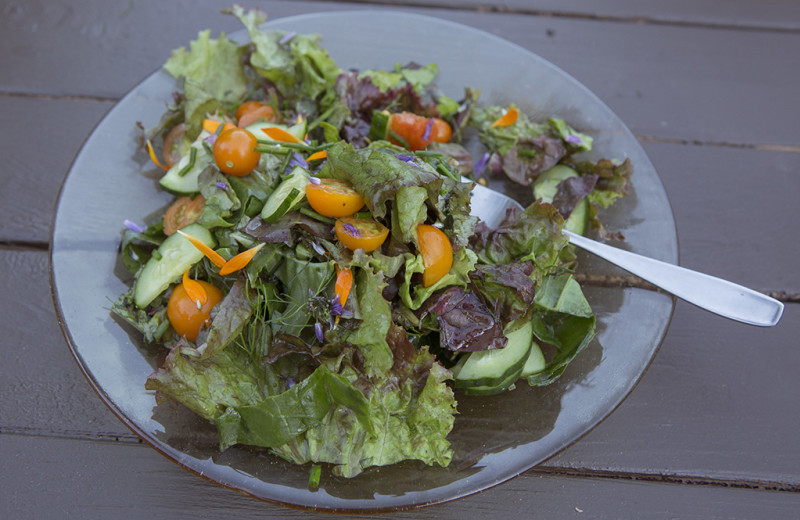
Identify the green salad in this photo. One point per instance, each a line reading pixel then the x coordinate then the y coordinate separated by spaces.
pixel 319 286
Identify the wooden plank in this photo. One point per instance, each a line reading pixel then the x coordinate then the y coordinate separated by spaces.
pixel 36 158
pixel 690 417
pixel 668 84
pixel 781 15
pixel 82 479
pixel 719 400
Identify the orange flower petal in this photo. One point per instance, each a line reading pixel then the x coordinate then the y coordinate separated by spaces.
pixel 281 135
pixel 212 255
pixel 318 155
pixel 153 156
pixel 240 261
pixel 194 290
pixel 344 284
pixel 211 126
pixel 509 118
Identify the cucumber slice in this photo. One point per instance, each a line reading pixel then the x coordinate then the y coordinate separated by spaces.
pixel 289 193
pixel 546 187
pixel 502 386
pixel 175 255
pixel 182 177
pixel 494 369
pixel 535 362
pixel 299 130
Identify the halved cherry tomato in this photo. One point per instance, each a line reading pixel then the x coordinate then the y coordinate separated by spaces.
pixel 174 144
pixel 234 152
pixel 247 106
pixel 183 212
pixel 360 233
pixel 436 251
pixel 256 113
pixel 184 316
pixel 412 129
pixel 333 198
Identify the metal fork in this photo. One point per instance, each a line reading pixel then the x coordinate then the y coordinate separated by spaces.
pixel 707 292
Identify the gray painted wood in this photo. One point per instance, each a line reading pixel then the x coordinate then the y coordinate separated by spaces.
pixel 709 87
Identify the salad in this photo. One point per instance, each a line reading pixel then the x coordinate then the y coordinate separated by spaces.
pixel 319 286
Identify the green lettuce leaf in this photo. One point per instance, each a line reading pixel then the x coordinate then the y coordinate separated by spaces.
pixel 564 319
pixel 414 294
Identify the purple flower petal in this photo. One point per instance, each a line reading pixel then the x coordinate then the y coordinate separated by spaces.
pixel 573 139
pixel 316 247
pixel 480 167
pixel 313 180
pixel 409 159
pixel 210 140
pixel 133 226
pixel 351 230
pixel 318 332
pixel 426 135
pixel 290 382
pixel 286 37
pixel 298 160
pixel 221 185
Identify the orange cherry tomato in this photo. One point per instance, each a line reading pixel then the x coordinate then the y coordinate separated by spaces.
pixel 412 127
pixel 333 198
pixel 360 233
pixel 234 152
pixel 256 113
pixel 436 251
pixel 247 106
pixel 184 316
pixel 174 144
pixel 183 212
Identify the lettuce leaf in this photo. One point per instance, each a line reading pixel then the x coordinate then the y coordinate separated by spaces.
pixel 564 319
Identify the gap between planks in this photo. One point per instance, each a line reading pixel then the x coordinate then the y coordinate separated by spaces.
pixel 551 13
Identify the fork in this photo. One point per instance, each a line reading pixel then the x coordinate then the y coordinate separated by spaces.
pixel 707 292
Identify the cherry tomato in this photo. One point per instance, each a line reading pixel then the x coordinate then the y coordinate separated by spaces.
pixel 184 316
pixel 183 212
pixel 411 128
pixel 174 144
pixel 234 152
pixel 360 233
pixel 247 106
pixel 436 251
pixel 333 198
pixel 256 113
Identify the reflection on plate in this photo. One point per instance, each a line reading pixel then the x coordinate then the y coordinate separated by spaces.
pixel 494 438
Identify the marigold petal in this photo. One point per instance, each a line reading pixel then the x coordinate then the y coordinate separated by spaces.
pixel 344 284
pixel 194 290
pixel 281 135
pixel 317 155
pixel 240 261
pixel 509 118
pixel 153 156
pixel 212 255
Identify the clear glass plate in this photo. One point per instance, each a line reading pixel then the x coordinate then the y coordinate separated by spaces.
pixel 494 438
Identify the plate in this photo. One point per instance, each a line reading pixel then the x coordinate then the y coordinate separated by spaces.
pixel 494 439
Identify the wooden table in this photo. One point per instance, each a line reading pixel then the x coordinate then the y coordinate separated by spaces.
pixel 709 87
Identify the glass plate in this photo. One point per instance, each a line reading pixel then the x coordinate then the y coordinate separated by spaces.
pixel 494 438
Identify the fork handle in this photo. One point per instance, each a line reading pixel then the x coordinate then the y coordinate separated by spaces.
pixel 707 292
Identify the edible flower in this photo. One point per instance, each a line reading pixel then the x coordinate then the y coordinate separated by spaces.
pixel 509 118
pixel 281 135
pixel 194 290
pixel 351 230
pixel 153 156
pixel 317 155
pixel 133 226
pixel 240 261
pixel 212 255
pixel 426 135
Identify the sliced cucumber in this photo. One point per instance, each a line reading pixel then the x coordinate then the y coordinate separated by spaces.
pixel 182 177
pixel 175 255
pixel 497 369
pixel 546 187
pixel 299 130
pixel 289 193
pixel 535 362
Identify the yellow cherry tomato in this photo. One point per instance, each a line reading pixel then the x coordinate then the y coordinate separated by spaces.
pixel 436 251
pixel 413 129
pixel 333 198
pixel 360 233
pixel 234 152
pixel 184 316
